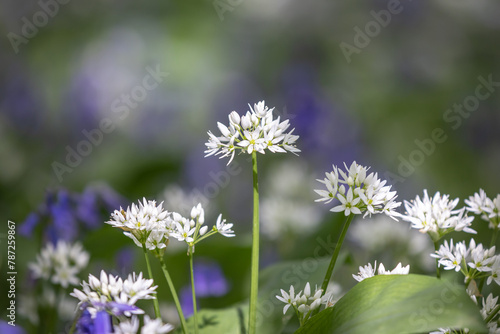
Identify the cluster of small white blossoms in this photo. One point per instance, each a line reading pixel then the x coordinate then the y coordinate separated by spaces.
pixel 364 193
pixel 257 130
pixel 145 223
pixel 369 271
pixel 489 305
pixel 474 261
pixel 114 294
pixel 152 226
pixel 488 208
pixel 303 302
pixel 436 216
pixel 193 230
pixel 60 264
pixel 151 326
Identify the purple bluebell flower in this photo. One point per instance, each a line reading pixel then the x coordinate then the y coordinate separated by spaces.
pixel 65 215
pixel 85 324
pixel 209 281
pixel 5 328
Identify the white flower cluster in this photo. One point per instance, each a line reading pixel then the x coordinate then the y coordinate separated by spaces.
pixel 151 326
pixel 112 293
pixel 60 263
pixel 193 230
pixel 474 261
pixel 436 216
pixel 369 271
pixel 257 130
pixel 489 209
pixel 303 302
pixel 364 193
pixel 145 223
pixel 151 225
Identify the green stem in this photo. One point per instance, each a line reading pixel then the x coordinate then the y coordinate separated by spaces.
pixel 254 285
pixel 174 294
pixel 195 310
pixel 150 273
pixel 436 248
pixel 336 252
pixel 492 314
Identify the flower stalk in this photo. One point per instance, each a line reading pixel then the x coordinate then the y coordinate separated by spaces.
pixel 336 252
pixel 174 295
pixel 254 285
pixel 195 309
pixel 150 273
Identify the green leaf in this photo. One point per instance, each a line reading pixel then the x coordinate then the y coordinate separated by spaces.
pixel 229 320
pixel 398 304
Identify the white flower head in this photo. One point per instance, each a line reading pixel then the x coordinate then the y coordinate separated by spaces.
pixel 100 292
pixel 487 208
pixel 256 131
pixel 437 216
pixel 139 221
pixel 365 193
pixel 191 231
pixel 61 263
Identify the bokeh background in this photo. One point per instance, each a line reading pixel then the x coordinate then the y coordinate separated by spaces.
pixel 353 87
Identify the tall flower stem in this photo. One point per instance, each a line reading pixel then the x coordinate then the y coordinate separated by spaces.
pixel 195 310
pixel 174 294
pixel 436 247
pixel 150 273
pixel 254 285
pixel 336 252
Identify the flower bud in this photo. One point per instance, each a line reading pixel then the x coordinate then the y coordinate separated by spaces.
pixel 234 118
pixel 245 122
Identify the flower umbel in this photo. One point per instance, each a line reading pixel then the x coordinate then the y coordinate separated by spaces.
pixel 145 223
pixel 364 193
pixel 257 131
pixel 437 216
pixel 303 302
pixel 60 263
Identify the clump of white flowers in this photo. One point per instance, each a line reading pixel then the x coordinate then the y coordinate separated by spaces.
pixel 437 216
pixel 474 262
pixel 487 208
pixel 304 302
pixel 192 230
pixel 369 271
pixel 358 192
pixel 257 131
pixel 146 224
pixel 113 294
pixel 152 226
pixel 60 264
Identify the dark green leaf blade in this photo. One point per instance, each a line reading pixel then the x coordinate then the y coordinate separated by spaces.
pixel 398 304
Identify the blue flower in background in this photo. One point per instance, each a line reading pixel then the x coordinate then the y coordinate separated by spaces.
pixel 209 281
pixel 64 214
pixel 5 328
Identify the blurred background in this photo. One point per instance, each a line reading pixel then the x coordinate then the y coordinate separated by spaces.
pixel 105 102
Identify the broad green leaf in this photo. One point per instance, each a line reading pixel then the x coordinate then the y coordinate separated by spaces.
pixel 398 304
pixel 228 320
